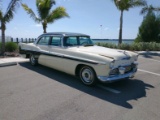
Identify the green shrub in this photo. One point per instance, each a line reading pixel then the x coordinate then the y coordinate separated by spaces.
pixel 124 47
pixel 141 46
pixel 109 45
pixel 11 47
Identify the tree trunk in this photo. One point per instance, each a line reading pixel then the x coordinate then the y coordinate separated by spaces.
pixel 120 28
pixel 3 38
pixel 44 27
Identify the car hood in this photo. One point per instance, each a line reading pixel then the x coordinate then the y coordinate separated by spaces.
pixel 106 52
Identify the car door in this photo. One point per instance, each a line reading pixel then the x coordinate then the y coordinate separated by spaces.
pixel 56 53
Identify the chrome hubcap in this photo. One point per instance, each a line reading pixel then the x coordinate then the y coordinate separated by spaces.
pixel 32 59
pixel 87 75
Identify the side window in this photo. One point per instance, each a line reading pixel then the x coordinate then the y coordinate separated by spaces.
pixel 56 41
pixel 70 41
pixel 44 40
pixel 83 40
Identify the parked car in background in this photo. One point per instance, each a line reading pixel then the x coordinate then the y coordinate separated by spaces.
pixel 75 54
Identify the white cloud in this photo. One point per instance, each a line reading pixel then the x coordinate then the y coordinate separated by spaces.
pixel 106 28
pixel 37 25
pixel 103 28
pixel 15 28
pixel 60 1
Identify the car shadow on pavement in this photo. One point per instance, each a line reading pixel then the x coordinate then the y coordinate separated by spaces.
pixel 133 89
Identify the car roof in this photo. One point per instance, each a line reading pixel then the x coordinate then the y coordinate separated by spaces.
pixel 65 34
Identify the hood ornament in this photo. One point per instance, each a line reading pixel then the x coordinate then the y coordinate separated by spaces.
pixel 127 57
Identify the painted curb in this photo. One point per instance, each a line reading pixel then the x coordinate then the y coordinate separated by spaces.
pixel 149 53
pixel 8 64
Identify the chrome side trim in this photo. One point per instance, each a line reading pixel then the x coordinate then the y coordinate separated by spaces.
pixel 53 54
pixel 107 56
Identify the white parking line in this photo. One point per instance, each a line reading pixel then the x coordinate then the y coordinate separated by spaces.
pixel 150 59
pixel 109 89
pixel 149 72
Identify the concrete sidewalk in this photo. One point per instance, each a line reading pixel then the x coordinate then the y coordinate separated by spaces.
pixel 12 61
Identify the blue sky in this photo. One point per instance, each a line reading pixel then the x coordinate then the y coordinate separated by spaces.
pixel 86 16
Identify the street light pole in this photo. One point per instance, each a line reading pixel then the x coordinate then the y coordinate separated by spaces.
pixel 101 31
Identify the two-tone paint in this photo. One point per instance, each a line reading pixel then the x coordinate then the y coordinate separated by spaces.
pixel 68 59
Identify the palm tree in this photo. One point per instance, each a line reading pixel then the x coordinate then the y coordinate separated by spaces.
pixel 147 8
pixel 125 5
pixel 45 15
pixel 6 18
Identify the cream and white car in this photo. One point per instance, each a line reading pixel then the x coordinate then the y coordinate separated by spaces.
pixel 75 54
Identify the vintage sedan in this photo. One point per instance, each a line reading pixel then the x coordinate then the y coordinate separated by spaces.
pixel 75 54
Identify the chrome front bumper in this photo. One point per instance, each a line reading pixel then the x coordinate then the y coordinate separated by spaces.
pixel 117 77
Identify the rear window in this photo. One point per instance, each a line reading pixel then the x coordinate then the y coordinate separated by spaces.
pixel 77 41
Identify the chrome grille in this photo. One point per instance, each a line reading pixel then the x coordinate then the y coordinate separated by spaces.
pixel 128 68
pixel 114 71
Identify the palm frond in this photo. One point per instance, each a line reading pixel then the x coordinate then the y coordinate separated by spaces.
pixel 11 9
pixel 59 12
pixel 126 4
pixel 44 7
pixel 136 3
pixel 147 9
pixel 157 9
pixel 31 13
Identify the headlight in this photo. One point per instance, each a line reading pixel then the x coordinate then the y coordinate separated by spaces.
pixel 135 63
pixel 111 64
pixel 136 57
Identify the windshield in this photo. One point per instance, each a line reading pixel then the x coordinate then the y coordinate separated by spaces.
pixel 77 41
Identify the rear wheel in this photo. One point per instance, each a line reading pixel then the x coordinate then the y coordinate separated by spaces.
pixel 33 60
pixel 87 75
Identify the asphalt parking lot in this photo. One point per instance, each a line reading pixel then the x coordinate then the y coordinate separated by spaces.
pixel 41 93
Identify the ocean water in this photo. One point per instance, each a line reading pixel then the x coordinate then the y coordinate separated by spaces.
pixel 113 41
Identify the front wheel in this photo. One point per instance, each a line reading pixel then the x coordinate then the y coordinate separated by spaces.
pixel 33 60
pixel 87 75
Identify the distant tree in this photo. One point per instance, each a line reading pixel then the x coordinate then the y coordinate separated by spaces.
pixel 6 18
pixel 149 29
pixel 45 15
pixel 125 5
